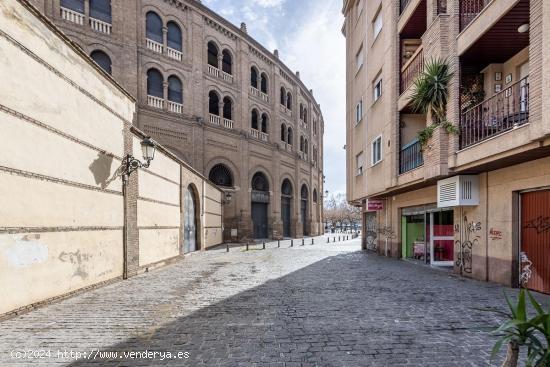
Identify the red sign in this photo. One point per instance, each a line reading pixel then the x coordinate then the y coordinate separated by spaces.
pixel 375 205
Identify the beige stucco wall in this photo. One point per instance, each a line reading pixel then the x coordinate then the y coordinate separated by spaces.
pixel 61 122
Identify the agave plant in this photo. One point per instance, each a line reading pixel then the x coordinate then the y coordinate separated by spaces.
pixel 431 90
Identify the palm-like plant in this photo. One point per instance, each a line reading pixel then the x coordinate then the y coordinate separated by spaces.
pixel 431 90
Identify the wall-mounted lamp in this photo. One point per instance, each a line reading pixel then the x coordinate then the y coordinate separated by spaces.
pixel 130 164
pixel 524 28
pixel 228 197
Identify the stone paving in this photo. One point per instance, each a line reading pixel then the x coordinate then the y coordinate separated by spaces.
pixel 316 305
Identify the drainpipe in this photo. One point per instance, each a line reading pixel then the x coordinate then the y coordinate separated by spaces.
pixel 386 224
pixel 486 226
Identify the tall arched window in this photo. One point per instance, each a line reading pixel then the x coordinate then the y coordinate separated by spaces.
pixel 304 193
pixel 227 62
pixel 213 54
pixel 264 122
pixel 154 27
pixel 290 136
pixel 174 36
pixel 213 103
pixel 260 182
pixel 75 5
pixel 283 132
pixel 301 111
pixel 283 96
pixel 301 143
pixel 286 187
pixel 315 195
pixel 227 108
pixel 254 119
pixel 289 100
pixel 101 9
pixel 221 175
pixel 305 115
pixel 175 90
pixel 154 83
pixel 263 86
pixel 254 77
pixel 306 146
pixel 102 59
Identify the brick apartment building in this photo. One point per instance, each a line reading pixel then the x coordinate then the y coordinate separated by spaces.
pixel 477 200
pixel 218 100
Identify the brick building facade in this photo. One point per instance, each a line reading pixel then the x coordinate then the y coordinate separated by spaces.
pixel 218 100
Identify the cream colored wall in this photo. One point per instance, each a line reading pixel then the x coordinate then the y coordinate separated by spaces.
pixel 61 216
pixel 511 66
pixel 413 124
pixel 213 223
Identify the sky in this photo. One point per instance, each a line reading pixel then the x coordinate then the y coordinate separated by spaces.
pixel 308 35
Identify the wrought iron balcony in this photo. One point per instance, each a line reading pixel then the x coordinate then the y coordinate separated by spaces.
pixel 502 112
pixel 410 157
pixel 412 69
pixel 469 9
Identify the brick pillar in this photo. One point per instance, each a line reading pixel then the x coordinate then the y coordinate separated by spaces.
pixel 131 233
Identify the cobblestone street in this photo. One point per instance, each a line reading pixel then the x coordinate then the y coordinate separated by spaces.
pixel 313 305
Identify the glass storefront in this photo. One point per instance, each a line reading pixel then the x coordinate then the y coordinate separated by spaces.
pixel 427 235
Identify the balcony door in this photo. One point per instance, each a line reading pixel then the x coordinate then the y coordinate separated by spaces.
pixel 524 86
pixel 440 237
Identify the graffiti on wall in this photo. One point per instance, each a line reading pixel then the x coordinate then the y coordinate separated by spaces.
pixel 470 238
pixel 526 271
pixel 371 231
pixel 540 224
pixel 495 235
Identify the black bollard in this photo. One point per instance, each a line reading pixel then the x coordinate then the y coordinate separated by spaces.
pixel 291 243
pixel 328 239
pixel 303 242
pixel 312 241
pixel 278 243
pixel 227 247
pixel 263 246
pixel 247 246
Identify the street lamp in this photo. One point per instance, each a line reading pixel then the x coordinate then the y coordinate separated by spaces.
pixel 130 164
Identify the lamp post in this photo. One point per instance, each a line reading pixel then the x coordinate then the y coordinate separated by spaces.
pixel 130 164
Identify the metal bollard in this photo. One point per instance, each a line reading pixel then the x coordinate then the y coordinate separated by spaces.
pixel 278 243
pixel 247 246
pixel 303 242
pixel 328 239
pixel 334 239
pixel 291 243
pixel 338 238
pixel 227 247
pixel 312 241
pixel 263 246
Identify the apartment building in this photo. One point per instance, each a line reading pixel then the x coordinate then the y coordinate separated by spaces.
pixel 218 100
pixel 476 197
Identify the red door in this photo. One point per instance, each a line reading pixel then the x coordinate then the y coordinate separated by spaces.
pixel 535 241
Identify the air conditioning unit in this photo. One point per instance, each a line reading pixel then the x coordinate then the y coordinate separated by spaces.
pixel 458 191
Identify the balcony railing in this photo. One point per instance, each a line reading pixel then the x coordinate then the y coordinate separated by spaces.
pixel 403 5
pixel 154 46
pixel 303 125
pixel 227 77
pixel 303 156
pixel 175 107
pixel 257 134
pixel 254 91
pixel 286 110
pixel 469 9
pixel 410 157
pixel 155 102
pixel 72 16
pixel 215 119
pixel 227 123
pixel 100 26
pixel 212 70
pixel 412 69
pixel 502 112
pixel 174 54
pixel 257 93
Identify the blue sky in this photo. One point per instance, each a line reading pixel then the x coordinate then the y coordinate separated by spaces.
pixel 308 37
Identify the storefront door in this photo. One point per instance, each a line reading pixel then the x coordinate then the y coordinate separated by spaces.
pixel 440 237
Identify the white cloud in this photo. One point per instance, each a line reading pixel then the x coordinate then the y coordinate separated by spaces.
pixel 269 3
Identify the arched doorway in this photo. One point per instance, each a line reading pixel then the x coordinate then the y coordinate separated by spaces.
pixel 303 208
pixel 286 207
pixel 190 222
pixel 260 202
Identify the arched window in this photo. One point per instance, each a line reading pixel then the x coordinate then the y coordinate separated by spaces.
pixel 174 36
pixel 75 5
pixel 301 111
pixel 306 146
pixel 283 132
pixel 283 96
pixel 286 188
pixel 290 136
pixel 175 90
pixel 154 83
pixel 289 100
pixel 254 119
pixel 101 9
pixel 264 123
pixel 221 175
pixel 213 103
pixel 212 54
pixel 263 86
pixel 301 143
pixel 227 62
pixel 102 59
pixel 254 77
pixel 305 115
pixel 314 126
pixel 153 25
pixel 304 194
pixel 315 195
pixel 227 108
pixel 259 182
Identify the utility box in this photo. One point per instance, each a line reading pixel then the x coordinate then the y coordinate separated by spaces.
pixel 458 191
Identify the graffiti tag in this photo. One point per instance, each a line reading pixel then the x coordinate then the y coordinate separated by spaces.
pixel 464 258
pixel 495 235
pixel 540 224
pixel 526 271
